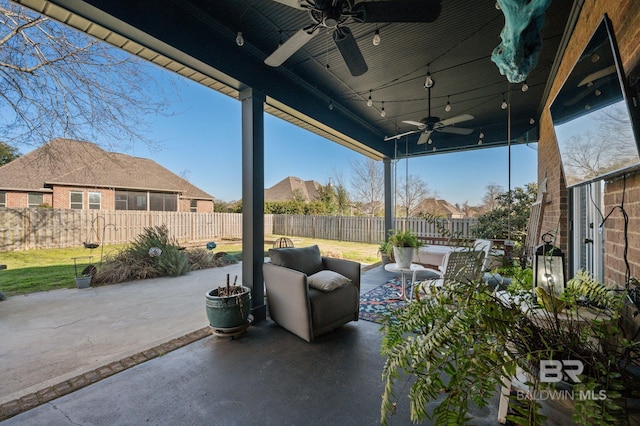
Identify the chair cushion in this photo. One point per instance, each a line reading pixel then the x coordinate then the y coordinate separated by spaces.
pixel 327 280
pixel 305 259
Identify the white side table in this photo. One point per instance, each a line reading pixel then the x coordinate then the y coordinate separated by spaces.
pixel 412 269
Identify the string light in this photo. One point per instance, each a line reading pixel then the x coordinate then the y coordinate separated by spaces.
pixel 525 86
pixel 532 121
pixel 240 39
pixel 504 103
pixel 376 38
pixel 428 83
pixel 447 107
pixel 369 101
pixel 383 113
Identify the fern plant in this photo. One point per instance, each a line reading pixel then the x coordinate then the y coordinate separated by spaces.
pixel 452 346
pixel 450 349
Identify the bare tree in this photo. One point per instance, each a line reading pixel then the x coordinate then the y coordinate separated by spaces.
pixel 367 182
pixel 489 201
pixel 59 82
pixel 411 192
pixel 606 148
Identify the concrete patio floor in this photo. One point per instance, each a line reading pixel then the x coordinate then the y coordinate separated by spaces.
pixel 267 376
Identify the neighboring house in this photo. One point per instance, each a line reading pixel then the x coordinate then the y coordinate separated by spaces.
pixel 70 174
pixel 440 208
pixel 291 188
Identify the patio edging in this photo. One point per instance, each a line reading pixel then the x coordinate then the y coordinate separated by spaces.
pixel 32 400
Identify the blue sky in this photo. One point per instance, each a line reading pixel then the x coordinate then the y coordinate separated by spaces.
pixel 202 141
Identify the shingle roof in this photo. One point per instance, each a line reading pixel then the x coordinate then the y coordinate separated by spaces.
pixel 287 187
pixel 77 163
pixel 439 207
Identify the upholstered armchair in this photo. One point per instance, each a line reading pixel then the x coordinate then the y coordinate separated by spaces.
pixel 308 294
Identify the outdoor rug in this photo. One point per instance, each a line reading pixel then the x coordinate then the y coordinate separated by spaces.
pixel 375 304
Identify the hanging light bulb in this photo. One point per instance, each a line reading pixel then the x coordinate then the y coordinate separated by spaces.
pixel 481 135
pixel 434 149
pixel 240 39
pixel 369 101
pixel 376 38
pixel 430 141
pixel 383 113
pixel 330 105
pixel 497 5
pixel 479 141
pixel 447 107
pixel 504 103
pixel 597 92
pixel 525 86
pixel 429 81
pixel 532 121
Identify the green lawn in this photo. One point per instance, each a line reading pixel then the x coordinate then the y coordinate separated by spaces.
pixel 48 269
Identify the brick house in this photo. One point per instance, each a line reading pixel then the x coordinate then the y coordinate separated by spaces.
pixel 440 208
pixel 563 207
pixel 291 187
pixel 70 174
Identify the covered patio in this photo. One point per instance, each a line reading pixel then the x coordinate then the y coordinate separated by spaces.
pixel 224 44
pixel 268 376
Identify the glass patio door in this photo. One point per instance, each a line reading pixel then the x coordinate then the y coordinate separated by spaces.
pixel 587 243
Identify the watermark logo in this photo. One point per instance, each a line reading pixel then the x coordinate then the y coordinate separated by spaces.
pixel 554 371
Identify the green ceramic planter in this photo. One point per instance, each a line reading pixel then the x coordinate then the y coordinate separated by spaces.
pixel 228 311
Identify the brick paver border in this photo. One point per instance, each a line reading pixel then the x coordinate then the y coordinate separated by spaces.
pixel 32 400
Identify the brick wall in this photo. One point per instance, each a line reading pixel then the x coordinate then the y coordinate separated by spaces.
pixel 625 18
pixel 61 197
pixel 20 200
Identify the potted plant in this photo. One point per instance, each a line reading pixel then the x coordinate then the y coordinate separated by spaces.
pixel 386 253
pixel 404 245
pixel 456 345
pixel 228 307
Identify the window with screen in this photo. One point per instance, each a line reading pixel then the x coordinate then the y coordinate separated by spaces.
pixel 76 200
pixel 3 199
pixel 35 200
pixel 163 202
pixel 95 200
pixel 131 200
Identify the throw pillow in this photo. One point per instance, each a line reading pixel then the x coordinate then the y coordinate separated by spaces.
pixel 306 259
pixel 327 280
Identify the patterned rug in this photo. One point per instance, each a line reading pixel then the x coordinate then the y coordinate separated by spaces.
pixel 375 304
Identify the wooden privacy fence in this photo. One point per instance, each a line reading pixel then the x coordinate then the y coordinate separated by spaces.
pixel 366 229
pixel 24 229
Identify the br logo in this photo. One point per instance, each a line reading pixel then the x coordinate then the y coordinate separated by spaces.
pixel 554 371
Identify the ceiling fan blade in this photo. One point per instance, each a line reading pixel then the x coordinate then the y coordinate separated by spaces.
pixel 350 51
pixel 424 137
pixel 455 120
pixel 291 3
pixel 397 11
pixel 415 123
pixel 289 47
pixel 398 136
pixel 455 130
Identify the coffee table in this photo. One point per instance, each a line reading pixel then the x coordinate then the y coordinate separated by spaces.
pixel 412 269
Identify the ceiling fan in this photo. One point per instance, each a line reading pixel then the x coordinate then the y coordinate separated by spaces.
pixel 431 124
pixel 333 14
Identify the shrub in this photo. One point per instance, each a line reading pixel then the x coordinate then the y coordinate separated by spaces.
pixel 139 261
